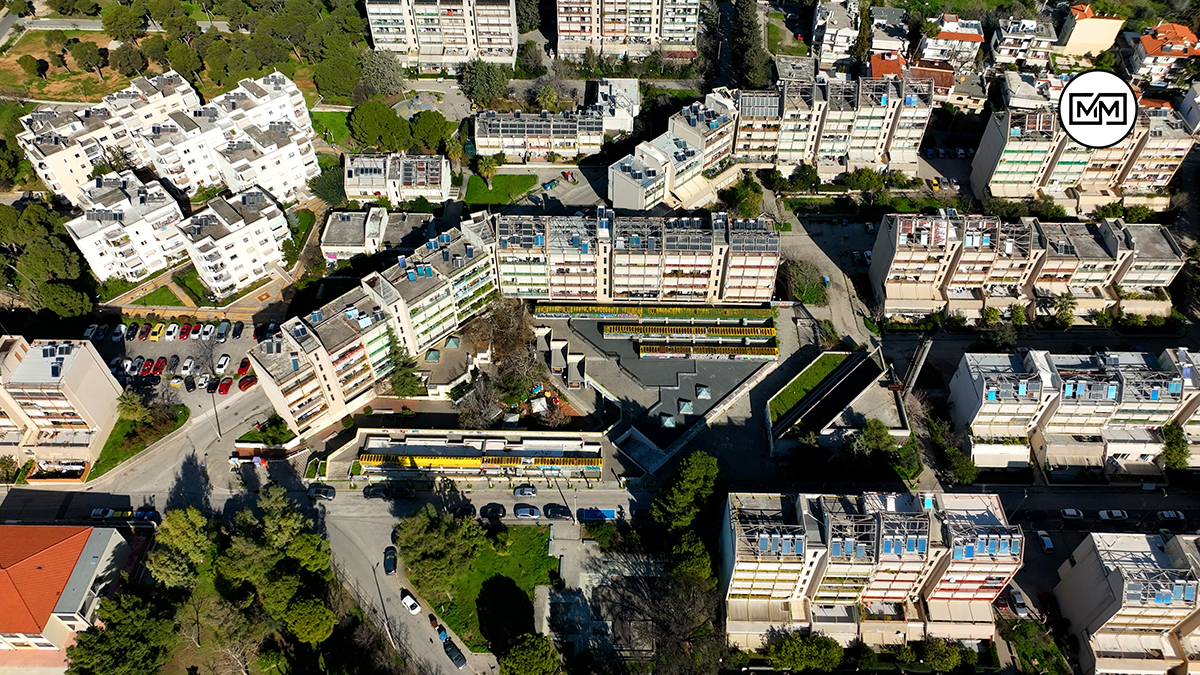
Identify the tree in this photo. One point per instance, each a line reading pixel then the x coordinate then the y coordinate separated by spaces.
pixel 1064 305
pixel 122 24
pixel 171 569
pixel 130 406
pixel 690 559
pixel 1111 210
pixel 1004 335
pixel 805 652
pixel 1017 316
pixel 127 60
pixel 1175 453
pixel 56 59
pixel 310 621
pixel 930 28
pixel 9 468
pixel 374 124
pixel 87 7
pixel 529 60
pixel 1106 61
pixel 136 638
pixel 182 28
pixel 428 128
pixel 862 44
pixel 32 66
pixel 866 180
pixel 87 56
pixel 528 16
pixel 61 299
pixel 941 655
pixel 1138 214
pixel 531 655
pixel 20 7
pixel 186 532
pixel 404 380
pixel 546 98
pixel 874 437
pixel 1004 209
pixel 484 82
pixel 311 551
pixel 337 76
pixel 184 59
pixel 380 72
pixel 281 521
pixel 486 167
pixel 744 198
pixel 155 48
pixel 329 186
pixel 678 503
pixel 55 39
pixel 806 178
pixel 1045 208
pixel 454 151
pixel 750 58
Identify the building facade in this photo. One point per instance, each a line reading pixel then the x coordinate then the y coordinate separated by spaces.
pixel 1025 42
pixel 435 36
pixel 834 31
pixel 235 241
pixel 536 136
pixel 634 29
pixel 1160 55
pixel 399 177
pixel 957 43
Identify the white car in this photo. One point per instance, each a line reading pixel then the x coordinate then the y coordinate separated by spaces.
pixel 410 603
pixel 103 514
pixel 118 333
pixel 1072 514
pixel 1044 539
pixel 186 368
pixel 222 364
pixel 207 331
pixel 1113 515
pixel 172 332
pixel 1018 602
pixel 202 380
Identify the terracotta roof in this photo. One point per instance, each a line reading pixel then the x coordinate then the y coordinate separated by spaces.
pixel 1082 12
pixel 1155 103
pixel 35 564
pixel 887 64
pixel 939 71
pixel 963 37
pixel 1169 34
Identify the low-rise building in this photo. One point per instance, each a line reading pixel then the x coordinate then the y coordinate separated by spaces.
pixel 536 136
pixel 889 30
pixel 1025 42
pixel 1026 91
pixel 58 401
pixel 128 228
pixel 351 233
pixel 619 102
pixel 834 31
pixel 1160 54
pixel 54 579
pixel 234 241
pixel 399 177
pixel 957 43
pixel 1087 32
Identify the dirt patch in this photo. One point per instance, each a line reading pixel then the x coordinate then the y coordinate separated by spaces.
pixel 64 84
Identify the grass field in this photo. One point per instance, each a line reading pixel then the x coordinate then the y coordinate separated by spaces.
pixel 499 585
pixel 159 297
pixel 780 41
pixel 59 84
pixel 505 188
pixel 189 281
pixel 332 126
pixel 805 382
pixel 807 284
pixel 128 438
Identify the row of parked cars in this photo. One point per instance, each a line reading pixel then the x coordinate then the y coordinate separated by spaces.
pixel 149 371
pixel 165 331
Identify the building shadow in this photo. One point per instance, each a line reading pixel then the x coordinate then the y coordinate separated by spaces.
pixel 505 612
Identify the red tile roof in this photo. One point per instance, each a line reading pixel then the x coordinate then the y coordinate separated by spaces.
pixel 1082 12
pixel 962 37
pixel 939 71
pixel 1169 34
pixel 35 564
pixel 887 64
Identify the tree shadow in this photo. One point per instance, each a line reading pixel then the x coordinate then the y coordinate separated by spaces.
pixel 504 612
pixel 192 486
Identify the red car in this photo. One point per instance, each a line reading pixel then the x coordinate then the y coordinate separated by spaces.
pixel 243 367
pixel 247 382
pixel 145 332
pixel 160 365
pixel 147 366
pixel 183 331
pixel 195 331
pixel 226 383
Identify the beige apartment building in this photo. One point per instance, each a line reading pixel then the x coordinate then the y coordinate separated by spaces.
pixel 1001 397
pixel 912 257
pixel 58 401
pixel 433 36
pixel 1086 32
pixel 1025 155
pixel 882 568
pixel 957 43
pixel 633 28
pixel 534 136
pixel 834 31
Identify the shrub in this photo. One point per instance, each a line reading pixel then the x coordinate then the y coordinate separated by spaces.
pixel 347 422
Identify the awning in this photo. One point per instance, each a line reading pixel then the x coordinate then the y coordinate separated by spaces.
pixel 696 192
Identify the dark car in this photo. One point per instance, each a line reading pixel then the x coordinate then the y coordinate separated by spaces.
pixel 247 382
pixel 556 512
pixel 455 654
pixel 492 511
pixel 173 363
pixel 145 331
pixel 223 387
pixel 272 326
pixel 465 511
pixel 160 365
pixel 442 634
pixel 238 328
pixel 260 331
pixel 189 384
pixel 131 333
pixel 376 491
pixel 243 367
pixel 149 381
pixel 212 386
pixel 147 514
pixel 389 560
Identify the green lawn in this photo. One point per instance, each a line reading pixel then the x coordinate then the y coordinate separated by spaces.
pixel 505 188
pixel 129 438
pixel 805 382
pixel 332 126
pixel 780 41
pixel 189 281
pixel 159 297
pixel 525 562
pixel 273 432
pixel 807 284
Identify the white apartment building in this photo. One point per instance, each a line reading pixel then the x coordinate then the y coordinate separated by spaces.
pixel 889 30
pixel 183 147
pixel 351 233
pixel 1160 55
pixel 834 31
pixel 534 137
pixel 666 169
pixel 58 401
pixel 1189 108
pixel 957 43
pixel 398 177
pixel 128 228
pixel 1025 42
pixel 1000 398
pixel 633 28
pixel 279 159
pixel 803 111
pixel 433 36
pixel 1131 601
pixel 710 127
pixel 234 241
pixel 619 100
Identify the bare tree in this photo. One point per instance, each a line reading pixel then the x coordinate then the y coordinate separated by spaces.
pixel 555 417
pixel 475 409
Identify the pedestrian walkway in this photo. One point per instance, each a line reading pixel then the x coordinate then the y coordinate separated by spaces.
pixel 180 293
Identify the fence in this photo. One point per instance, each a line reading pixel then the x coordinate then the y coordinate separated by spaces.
pixel 365 602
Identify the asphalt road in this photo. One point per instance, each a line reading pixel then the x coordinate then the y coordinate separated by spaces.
pixel 96 25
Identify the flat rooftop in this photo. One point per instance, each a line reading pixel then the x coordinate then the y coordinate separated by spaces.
pixel 976 510
pixel 1131 550
pixel 1081 241
pixel 1154 242
pixel 46 363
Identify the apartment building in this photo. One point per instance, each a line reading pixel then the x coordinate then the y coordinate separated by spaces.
pixel 834 31
pixel 1079 261
pixel 1087 32
pixel 709 127
pixel 1160 152
pixel 58 401
pixel 619 100
pixel 882 568
pixel 912 257
pixel 1020 152
pixel 522 260
pixel 1156 260
pixel 1070 436
pixel 398 176
pixel 1027 91
pixel 889 30
pixel 279 159
pixel 666 169
pixel 632 28
pixel 758 123
pixel 1189 108
pixel 1160 54
pixel 534 137
pixel 351 233
pixel 435 36
pixel 182 148
pixel 1025 42
pixel 74 567
pixel 800 125
pixel 1000 398
pixel 234 241
pixel 957 43
pixel 128 228
pixel 1131 601
pixel 753 259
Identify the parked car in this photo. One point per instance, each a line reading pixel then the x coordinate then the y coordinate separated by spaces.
pixel 962 154
pixel 970 152
pixel 147 367
pixel 173 363
pixel 941 153
pixel 222 331
pixel 867 256
pixel 184 330
pixel 525 491
pixel 148 381
pixel 189 384
pixel 243 367
pixel 238 328
pixel 410 603
pixel 176 381
pixel 103 514
pixel 556 512
pixel 196 328
pixel 929 153
pixel 526 511
pixel 535 199
pixel 222 364
pixel 134 366
pixel 1171 516
pixel 131 333
pixel 159 366
pixel 187 367
pixel 157 332
pixel 321 492
pixel 172 332
pixel 376 491
pixel 442 635
pixel 147 514
pixel 389 560
pixel 455 654
pixel 260 332
pixel 1044 540
pixel 492 512
pixel 856 257
pixel 145 331
pixel 272 326
pixel 1018 601
pixel 223 387
pixel 101 333
pixel 464 511
pixel 1113 514
pixel 206 332
pixel 90 331
pixel 934 184
pixel 247 382
pixel 114 364
pixel 213 384
pixel 1072 514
